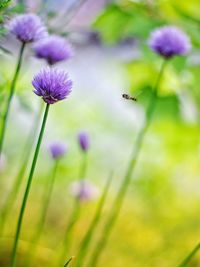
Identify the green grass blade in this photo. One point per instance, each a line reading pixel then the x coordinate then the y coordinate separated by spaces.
pixel 190 256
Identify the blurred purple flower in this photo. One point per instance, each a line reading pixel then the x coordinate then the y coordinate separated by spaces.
pixel 52 85
pixel 83 139
pixel 28 28
pixel 84 190
pixel 53 49
pixel 169 41
pixel 57 150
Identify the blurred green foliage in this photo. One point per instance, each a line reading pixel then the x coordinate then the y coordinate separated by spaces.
pixel 4 3
pixel 138 18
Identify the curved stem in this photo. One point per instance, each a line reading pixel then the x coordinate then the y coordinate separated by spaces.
pixel 45 200
pixel 26 193
pixel 88 236
pixel 12 195
pixel 11 93
pixel 126 181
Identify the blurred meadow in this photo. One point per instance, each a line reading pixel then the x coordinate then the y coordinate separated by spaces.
pixel 159 222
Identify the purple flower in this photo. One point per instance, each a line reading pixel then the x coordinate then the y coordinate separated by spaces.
pixel 27 28
pixel 84 190
pixel 52 85
pixel 53 49
pixel 83 139
pixel 57 150
pixel 169 41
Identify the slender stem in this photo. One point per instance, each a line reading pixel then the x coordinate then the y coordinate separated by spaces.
pixel 126 181
pixel 88 236
pixel 11 93
pixel 12 196
pixel 68 262
pixel 45 200
pixel 26 193
pixel 190 256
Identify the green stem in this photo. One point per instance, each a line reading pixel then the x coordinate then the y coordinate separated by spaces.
pixel 190 256
pixel 45 200
pixel 26 194
pixel 68 262
pixel 12 196
pixel 126 181
pixel 12 90
pixel 88 236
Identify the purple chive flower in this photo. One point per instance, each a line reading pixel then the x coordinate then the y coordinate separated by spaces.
pixel 169 41
pixel 52 85
pixel 57 150
pixel 53 49
pixel 83 139
pixel 27 28
pixel 84 190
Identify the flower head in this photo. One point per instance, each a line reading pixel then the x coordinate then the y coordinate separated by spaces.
pixel 27 28
pixel 57 150
pixel 53 49
pixel 84 190
pixel 52 85
pixel 83 139
pixel 169 41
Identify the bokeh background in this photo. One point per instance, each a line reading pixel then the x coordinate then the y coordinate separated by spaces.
pixel 159 222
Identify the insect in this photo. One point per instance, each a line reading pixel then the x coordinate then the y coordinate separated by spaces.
pixel 128 97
